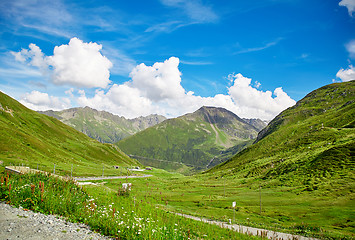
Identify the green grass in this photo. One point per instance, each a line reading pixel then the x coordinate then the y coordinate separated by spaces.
pixel 190 139
pixel 284 209
pixel 30 138
pixel 123 217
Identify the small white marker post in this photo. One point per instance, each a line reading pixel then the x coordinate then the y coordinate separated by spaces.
pixel 71 171
pixel 234 204
pixel 260 197
pixel 54 169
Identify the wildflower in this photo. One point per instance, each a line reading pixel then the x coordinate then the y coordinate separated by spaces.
pixel 33 188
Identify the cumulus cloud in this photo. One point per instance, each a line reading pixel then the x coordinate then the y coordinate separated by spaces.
pixel 77 64
pixel 349 4
pixel 158 89
pixel 33 56
pixel 253 102
pixel 122 100
pixel 351 48
pixel 346 74
pixel 151 89
pixel 160 81
pixel 80 64
pixel 39 101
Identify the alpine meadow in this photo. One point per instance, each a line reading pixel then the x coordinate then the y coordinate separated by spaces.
pixel 177 119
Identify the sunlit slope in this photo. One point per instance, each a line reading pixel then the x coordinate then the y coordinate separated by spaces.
pixel 311 144
pixel 193 139
pixel 30 138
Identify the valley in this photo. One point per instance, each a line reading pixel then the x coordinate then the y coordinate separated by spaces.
pixel 197 141
pixel 294 176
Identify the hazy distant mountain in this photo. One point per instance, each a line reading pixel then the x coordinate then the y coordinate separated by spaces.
pixel 103 126
pixel 257 123
pixel 194 139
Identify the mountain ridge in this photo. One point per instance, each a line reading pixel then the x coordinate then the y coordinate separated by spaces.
pixel 101 125
pixel 310 144
pixel 191 139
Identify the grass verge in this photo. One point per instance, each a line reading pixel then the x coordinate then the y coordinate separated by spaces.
pixel 121 216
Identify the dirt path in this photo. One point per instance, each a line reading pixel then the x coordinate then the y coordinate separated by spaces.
pixel 250 230
pixel 106 178
pixel 15 223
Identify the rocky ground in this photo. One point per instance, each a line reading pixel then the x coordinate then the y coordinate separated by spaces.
pixel 16 223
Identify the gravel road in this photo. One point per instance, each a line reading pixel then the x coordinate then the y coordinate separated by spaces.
pixel 105 178
pixel 250 230
pixel 16 223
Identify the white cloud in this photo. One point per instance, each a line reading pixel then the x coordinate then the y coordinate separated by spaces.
pixel 157 89
pixel 253 102
pixel 34 56
pixel 69 92
pixel 346 74
pixel 80 64
pixel 39 101
pixel 152 89
pixel 349 4
pixel 160 81
pixel 122 100
pixel 351 48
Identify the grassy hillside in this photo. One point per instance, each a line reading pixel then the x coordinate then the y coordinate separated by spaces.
pixel 30 138
pixel 311 144
pixel 103 126
pixel 193 140
pixel 298 177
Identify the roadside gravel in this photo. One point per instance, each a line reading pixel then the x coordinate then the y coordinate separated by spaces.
pixel 16 223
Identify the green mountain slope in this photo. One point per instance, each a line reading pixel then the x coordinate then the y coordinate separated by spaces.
pixel 311 144
pixel 30 138
pixel 103 126
pixel 193 139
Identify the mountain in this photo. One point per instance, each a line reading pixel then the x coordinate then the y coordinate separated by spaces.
pixel 257 123
pixel 195 140
pixel 103 126
pixel 311 144
pixel 30 138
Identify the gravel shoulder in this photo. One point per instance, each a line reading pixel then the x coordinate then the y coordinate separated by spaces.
pixel 16 223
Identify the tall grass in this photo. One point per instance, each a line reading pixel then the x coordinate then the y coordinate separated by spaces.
pixel 118 215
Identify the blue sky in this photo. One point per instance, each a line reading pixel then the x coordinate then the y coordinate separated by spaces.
pixel 171 57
